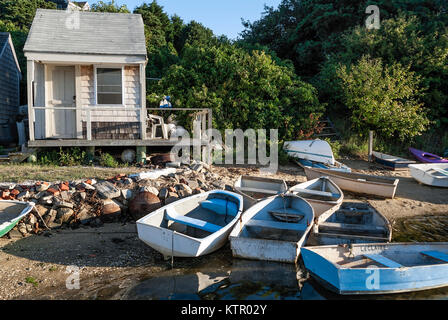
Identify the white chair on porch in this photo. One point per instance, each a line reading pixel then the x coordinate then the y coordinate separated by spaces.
pixel 155 122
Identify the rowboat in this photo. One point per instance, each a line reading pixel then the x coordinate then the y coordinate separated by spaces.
pixel 357 183
pixel 273 229
pixel 378 268
pixel 336 167
pixel 11 212
pixel 391 162
pixel 435 174
pixel 313 150
pixel 255 188
pixel 322 193
pixel 427 157
pixel 192 226
pixel 354 222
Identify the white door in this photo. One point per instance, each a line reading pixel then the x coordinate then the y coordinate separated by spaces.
pixel 62 95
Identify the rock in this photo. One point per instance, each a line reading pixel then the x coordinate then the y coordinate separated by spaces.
pixel 64 187
pixel 48 200
pixel 127 194
pixel 172 164
pixel 85 216
pixel 65 196
pixel 53 191
pixel 42 186
pixel 22 229
pixel 29 228
pixel 32 219
pixel 149 189
pixel 64 215
pixel 198 190
pixel 219 185
pixel 15 234
pixel 163 194
pixel 172 197
pixel 23 195
pixel 193 184
pixel 143 203
pixel 62 204
pixel 41 209
pixel 111 207
pixel 107 190
pixel 50 217
pixel 183 187
pixel 197 167
pixel 85 186
pixel 82 195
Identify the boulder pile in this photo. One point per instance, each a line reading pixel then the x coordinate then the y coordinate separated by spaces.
pixel 121 198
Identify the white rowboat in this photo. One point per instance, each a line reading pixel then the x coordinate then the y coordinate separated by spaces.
pixel 263 233
pixel 357 183
pixel 254 189
pixel 192 226
pixel 322 193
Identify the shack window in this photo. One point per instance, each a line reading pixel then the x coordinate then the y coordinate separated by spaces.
pixel 109 88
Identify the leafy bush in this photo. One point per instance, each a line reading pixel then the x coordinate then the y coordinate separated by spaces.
pixel 383 98
pixel 244 90
pixel 107 160
pixel 68 157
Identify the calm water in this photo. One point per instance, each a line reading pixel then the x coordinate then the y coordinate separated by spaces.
pixel 222 278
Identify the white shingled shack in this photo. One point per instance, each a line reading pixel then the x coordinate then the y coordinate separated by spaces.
pixel 86 78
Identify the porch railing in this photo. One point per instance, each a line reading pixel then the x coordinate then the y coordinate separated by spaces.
pixel 201 115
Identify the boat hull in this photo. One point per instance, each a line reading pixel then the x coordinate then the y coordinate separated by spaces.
pixel 420 173
pixel 426 157
pixel 171 243
pixel 384 190
pixel 375 280
pixel 259 248
pixel 7 226
pixel 395 164
pixel 313 150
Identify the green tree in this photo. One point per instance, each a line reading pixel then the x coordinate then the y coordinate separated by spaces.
pixel 383 98
pixel 245 90
pixel 109 6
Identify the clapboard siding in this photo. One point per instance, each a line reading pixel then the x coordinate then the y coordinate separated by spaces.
pixel 113 130
pixel 131 97
pixel 9 91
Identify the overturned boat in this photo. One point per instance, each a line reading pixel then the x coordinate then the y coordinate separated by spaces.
pixel 192 226
pixel 434 174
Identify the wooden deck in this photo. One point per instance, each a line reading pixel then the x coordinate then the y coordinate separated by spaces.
pixel 113 143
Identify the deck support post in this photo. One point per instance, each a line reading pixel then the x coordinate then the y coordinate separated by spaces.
pixel 370 145
pixel 141 155
pixel 90 153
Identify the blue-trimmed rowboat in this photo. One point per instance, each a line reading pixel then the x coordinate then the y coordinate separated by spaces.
pixel 378 268
pixel 193 226
pixel 391 162
pixel 11 212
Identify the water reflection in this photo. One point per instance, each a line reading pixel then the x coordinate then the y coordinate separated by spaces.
pixel 218 279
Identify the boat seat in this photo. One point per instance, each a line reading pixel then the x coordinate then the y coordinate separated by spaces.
pixel 316 192
pixel 220 206
pixel 439 170
pixel 349 227
pixel 383 260
pixel 276 225
pixel 257 190
pixel 436 255
pixel 170 214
